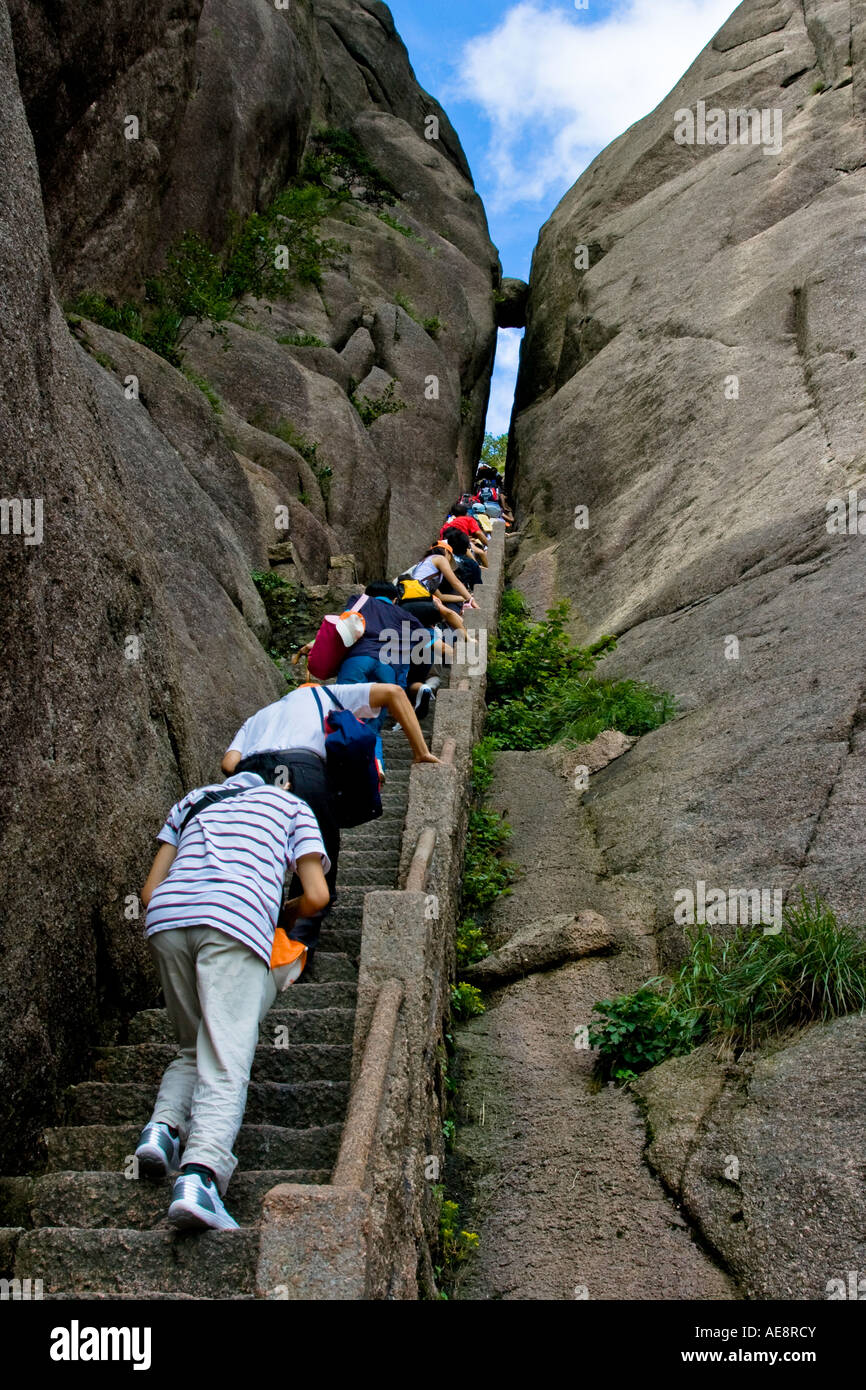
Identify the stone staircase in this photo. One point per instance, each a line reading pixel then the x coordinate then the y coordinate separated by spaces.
pixel 88 1228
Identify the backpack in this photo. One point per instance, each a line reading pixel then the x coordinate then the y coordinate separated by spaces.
pixel 330 647
pixel 488 494
pixel 412 588
pixel 466 500
pixel 353 775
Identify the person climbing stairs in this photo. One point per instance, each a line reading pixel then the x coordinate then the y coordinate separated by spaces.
pixel 88 1228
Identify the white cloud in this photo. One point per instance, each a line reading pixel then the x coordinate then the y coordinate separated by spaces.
pixel 557 87
pixel 504 380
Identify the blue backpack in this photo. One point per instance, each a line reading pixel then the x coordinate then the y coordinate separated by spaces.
pixel 353 775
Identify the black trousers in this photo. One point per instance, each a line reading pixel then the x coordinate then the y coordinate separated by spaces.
pixel 307 775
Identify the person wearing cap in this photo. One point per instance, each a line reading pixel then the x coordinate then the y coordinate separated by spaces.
pixel 285 744
pixel 394 640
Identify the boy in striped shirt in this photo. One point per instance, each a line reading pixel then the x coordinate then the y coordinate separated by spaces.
pixel 213 896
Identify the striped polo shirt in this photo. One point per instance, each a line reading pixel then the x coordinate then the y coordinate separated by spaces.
pixel 232 860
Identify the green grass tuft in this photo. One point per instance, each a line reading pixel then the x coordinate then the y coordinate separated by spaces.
pixel 742 991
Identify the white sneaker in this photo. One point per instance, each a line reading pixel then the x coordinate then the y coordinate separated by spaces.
pixel 158 1152
pixel 196 1205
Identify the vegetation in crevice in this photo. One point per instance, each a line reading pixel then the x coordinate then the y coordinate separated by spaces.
pixel 300 340
pixel 456 1244
pixel 338 162
pixel 266 255
pixel 487 875
pixel 206 389
pixel 432 325
pixel 371 410
pixel 739 992
pixel 294 615
pixel 541 688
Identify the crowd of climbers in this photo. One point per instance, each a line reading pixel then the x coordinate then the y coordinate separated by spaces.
pixel 246 869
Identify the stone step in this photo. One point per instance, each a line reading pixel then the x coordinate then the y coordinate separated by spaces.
pixel 347 938
pixel 96 1200
pixel 346 914
pixel 313 994
pixel 367 866
pixel 330 967
pixel 352 896
pixel 109 1148
pixel 373 836
pixel 145 1063
pixel 305 1025
pixel 308 1026
pixel 268 1103
pixel 213 1264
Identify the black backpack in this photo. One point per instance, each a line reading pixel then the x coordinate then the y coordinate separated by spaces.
pixel 353 775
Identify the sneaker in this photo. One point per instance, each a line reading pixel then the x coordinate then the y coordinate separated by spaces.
pixel 196 1205
pixel 423 700
pixel 158 1152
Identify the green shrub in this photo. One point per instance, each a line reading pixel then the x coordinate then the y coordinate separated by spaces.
pixel 541 690
pixel 400 227
pixel 337 155
pixel 741 990
pixel 294 617
pixel 122 318
pixel 431 325
pixel 471 945
pixel 265 255
pixel 483 759
pixel 456 1244
pixel 406 305
pixel 486 874
pixel 466 1000
pixel 636 1031
pixel 370 411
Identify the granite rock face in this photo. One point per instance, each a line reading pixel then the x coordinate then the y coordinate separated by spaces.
pixel 132 631
pixel 693 376
pixel 785 1215
pixel 227 97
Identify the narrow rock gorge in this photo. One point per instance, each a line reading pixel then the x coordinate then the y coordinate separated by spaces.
pixel 689 419
pixel 131 634
pixel 688 429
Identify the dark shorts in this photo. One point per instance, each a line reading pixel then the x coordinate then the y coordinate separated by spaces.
pixel 424 609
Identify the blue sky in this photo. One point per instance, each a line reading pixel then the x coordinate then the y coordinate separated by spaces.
pixel 535 89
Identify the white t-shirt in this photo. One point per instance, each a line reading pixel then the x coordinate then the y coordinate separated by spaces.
pixel 293 721
pixel 231 862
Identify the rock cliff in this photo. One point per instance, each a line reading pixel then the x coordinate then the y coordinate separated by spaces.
pixel 131 634
pixel 692 374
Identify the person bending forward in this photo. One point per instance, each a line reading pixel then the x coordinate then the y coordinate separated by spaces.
pixel 213 895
